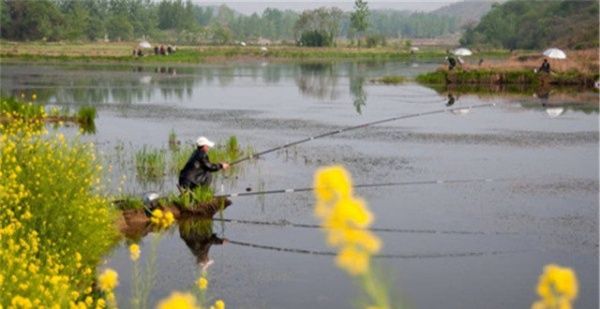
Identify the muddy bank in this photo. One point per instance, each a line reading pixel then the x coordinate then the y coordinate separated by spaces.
pixel 134 223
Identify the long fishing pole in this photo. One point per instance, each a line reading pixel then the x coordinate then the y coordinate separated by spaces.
pixel 360 126
pixel 372 185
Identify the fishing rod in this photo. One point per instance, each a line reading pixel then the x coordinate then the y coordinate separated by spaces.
pixel 360 126
pixel 372 185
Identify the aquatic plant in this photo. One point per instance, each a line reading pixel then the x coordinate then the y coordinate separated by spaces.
pixel 173 142
pixel 54 227
pixel 557 288
pixel 150 164
pixel 391 80
pixel 346 219
pixel 190 199
pixel 86 116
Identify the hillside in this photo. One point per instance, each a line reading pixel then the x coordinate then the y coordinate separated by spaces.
pixel 524 24
pixel 466 12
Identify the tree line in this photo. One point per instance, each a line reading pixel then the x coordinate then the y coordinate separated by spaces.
pixel 525 24
pixel 179 21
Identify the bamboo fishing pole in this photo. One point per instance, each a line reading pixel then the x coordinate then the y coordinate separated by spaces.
pixel 371 185
pixel 360 126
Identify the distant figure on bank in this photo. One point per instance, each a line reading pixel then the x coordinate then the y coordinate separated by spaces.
pixel 480 61
pixel 451 62
pixel 140 53
pixel 169 49
pixel 545 67
pixel 162 50
pixel 197 171
pixel 156 50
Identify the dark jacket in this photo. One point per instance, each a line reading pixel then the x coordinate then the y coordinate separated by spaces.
pixel 545 67
pixel 196 171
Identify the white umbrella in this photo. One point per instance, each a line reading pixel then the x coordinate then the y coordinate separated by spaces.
pixel 555 53
pixel 414 49
pixel 462 52
pixel 555 111
pixel 461 111
pixel 144 44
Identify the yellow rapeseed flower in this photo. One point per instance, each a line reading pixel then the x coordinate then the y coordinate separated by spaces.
pixel 332 182
pixel 557 287
pixel 355 262
pixel 202 283
pixel 345 219
pixel 219 304
pixel 178 300
pixel 108 280
pixel 134 252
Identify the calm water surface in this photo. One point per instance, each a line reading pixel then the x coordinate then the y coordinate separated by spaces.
pixel 475 245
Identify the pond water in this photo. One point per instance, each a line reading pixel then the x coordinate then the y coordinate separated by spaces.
pixel 464 245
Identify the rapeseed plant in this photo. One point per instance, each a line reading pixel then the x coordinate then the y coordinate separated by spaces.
pixel 557 288
pixel 54 227
pixel 345 219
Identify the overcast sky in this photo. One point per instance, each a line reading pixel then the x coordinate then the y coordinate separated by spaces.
pixel 252 6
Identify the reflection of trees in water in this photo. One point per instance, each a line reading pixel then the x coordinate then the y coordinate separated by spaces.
pixel 318 80
pixel 357 81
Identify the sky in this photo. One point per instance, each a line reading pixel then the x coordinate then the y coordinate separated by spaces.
pixel 253 6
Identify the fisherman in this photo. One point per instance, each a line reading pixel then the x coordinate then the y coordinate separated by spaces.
pixel 451 62
pixel 197 170
pixel 545 67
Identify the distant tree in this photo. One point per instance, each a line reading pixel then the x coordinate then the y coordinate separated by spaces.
pixel 321 22
pixel 359 18
pixel 119 28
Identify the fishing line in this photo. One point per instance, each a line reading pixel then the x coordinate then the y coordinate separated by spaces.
pixel 382 256
pixel 285 223
pixel 373 185
pixel 360 126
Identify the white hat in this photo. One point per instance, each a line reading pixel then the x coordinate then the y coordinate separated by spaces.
pixel 201 141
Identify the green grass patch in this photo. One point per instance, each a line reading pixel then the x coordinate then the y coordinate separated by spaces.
pixel 150 164
pixel 500 77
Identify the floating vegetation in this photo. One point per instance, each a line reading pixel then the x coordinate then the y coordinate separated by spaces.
pixel 150 164
pixel 391 80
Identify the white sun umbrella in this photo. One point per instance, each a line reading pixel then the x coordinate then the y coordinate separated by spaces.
pixel 462 52
pixel 555 111
pixel 414 49
pixel 144 44
pixel 555 53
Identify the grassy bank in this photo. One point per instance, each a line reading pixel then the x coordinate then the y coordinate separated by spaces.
pixel 579 69
pixel 507 77
pixel 122 52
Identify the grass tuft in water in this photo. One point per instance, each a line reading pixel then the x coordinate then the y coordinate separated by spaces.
pixel 150 163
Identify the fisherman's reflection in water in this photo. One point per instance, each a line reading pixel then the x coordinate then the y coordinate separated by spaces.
pixel 451 99
pixel 543 93
pixel 198 235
